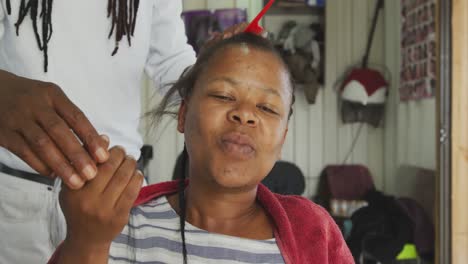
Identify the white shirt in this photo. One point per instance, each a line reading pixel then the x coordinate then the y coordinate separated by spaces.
pixel 105 88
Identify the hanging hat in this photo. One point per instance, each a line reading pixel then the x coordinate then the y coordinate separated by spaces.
pixel 365 86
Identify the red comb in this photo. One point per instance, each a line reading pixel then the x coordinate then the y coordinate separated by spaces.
pixel 253 27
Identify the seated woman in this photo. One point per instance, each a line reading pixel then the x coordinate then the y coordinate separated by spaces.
pixel 236 103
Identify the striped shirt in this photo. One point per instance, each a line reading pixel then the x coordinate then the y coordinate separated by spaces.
pixel 152 236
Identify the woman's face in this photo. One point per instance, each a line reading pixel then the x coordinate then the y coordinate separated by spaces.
pixel 235 121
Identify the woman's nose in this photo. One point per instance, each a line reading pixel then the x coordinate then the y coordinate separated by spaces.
pixel 243 115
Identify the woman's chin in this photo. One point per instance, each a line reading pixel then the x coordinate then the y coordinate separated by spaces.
pixel 230 180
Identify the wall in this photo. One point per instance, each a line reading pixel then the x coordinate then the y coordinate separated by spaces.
pixel 410 127
pixel 347 26
pixel 316 136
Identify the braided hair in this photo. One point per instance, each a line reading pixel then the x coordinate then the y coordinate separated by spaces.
pixel 123 14
pixel 183 204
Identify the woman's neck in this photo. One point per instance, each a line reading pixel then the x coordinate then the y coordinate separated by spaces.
pixel 204 200
pixel 235 213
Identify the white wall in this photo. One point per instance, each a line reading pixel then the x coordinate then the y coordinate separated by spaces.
pixel 417 133
pixel 347 27
pixel 410 127
pixel 316 137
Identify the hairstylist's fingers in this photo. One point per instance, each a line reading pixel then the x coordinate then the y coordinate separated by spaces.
pixel 239 28
pixel 129 195
pixel 107 169
pixel 80 124
pixel 102 153
pixel 215 35
pixel 227 33
pixel 119 181
pixel 68 144
pixel 235 29
pixel 45 148
pixel 20 148
pixel 106 142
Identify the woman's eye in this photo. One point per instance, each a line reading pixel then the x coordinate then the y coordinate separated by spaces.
pixel 223 97
pixel 267 109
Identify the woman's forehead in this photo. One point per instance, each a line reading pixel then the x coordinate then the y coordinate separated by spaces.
pixel 243 59
pixel 247 67
pixel 243 50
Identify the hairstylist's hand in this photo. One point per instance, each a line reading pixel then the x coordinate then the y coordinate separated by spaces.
pixel 229 32
pixel 98 212
pixel 39 124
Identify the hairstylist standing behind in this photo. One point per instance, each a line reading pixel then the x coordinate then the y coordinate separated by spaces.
pixel 69 87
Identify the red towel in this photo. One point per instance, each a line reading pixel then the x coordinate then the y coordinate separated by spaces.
pixel 305 232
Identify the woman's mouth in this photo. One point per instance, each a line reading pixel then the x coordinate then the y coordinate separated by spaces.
pixel 238 145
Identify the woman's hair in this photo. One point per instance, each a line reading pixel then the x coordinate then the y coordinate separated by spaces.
pixel 122 12
pixel 183 89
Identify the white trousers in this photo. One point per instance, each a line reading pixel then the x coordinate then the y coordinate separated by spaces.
pixel 31 221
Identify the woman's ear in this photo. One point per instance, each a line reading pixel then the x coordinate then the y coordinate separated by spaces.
pixel 181 117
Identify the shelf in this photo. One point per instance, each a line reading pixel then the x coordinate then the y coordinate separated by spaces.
pixel 303 10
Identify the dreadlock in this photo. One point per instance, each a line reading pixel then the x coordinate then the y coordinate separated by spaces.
pixel 123 15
